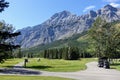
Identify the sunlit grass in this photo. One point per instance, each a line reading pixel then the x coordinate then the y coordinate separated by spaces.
pixel 31 78
pixel 116 65
pixel 10 62
pixel 59 65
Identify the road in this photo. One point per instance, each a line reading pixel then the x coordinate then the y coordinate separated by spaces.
pixel 91 73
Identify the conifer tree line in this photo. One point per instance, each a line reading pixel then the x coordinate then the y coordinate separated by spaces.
pixel 19 54
pixel 67 53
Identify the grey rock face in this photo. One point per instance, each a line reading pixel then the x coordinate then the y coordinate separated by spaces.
pixel 63 25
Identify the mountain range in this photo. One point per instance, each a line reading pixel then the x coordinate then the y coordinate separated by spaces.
pixel 63 25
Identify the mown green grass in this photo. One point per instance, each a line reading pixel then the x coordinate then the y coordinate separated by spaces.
pixel 59 65
pixel 31 78
pixel 10 63
pixel 115 65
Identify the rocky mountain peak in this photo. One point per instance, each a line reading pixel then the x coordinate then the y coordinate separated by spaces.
pixel 110 8
pixel 109 13
pixel 66 13
pixel 62 14
pixel 63 25
pixel 93 13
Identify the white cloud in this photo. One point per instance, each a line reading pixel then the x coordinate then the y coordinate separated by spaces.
pixel 88 8
pixel 115 4
pixel 111 1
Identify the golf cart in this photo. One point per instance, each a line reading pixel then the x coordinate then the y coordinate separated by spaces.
pixel 103 62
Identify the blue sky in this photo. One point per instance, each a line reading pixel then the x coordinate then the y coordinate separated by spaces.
pixel 23 13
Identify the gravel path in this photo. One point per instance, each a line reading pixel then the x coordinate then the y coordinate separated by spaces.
pixel 91 73
pixel 20 65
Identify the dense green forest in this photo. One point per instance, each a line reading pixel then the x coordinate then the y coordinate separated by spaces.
pixel 60 45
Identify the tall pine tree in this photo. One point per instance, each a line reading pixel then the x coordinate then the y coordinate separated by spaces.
pixel 6 36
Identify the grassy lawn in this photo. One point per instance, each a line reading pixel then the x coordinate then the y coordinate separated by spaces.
pixel 59 65
pixel 10 63
pixel 116 65
pixel 31 78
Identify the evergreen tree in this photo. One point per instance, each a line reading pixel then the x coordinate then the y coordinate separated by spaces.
pixel 106 38
pixel 6 45
pixel 6 41
pixel 73 53
pixel 60 53
pixel 3 5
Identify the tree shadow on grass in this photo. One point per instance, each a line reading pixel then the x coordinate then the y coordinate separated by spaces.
pixel 19 71
pixel 8 66
pixel 13 66
pixel 112 68
pixel 115 64
pixel 34 67
pixel 39 67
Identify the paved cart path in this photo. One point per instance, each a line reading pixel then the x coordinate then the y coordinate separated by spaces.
pixel 91 73
pixel 19 65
